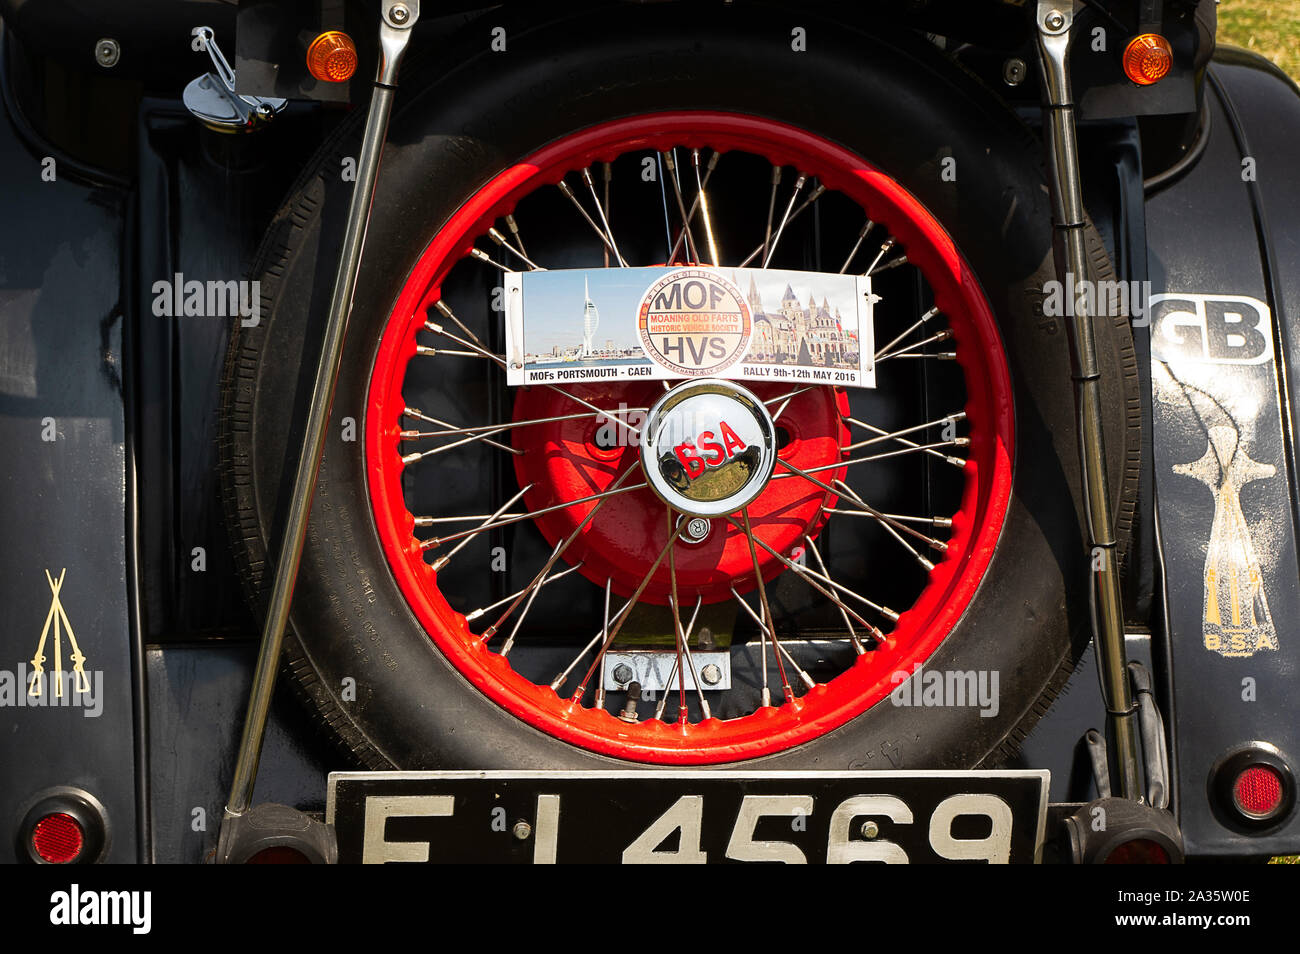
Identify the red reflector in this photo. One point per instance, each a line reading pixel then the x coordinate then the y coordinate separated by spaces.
pixel 278 855
pixel 57 838
pixel 1139 851
pixel 1257 792
pixel 1148 59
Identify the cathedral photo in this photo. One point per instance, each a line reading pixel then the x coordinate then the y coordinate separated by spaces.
pixel 810 335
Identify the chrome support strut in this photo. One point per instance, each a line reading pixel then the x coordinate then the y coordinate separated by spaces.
pixel 1054 19
pixel 398 17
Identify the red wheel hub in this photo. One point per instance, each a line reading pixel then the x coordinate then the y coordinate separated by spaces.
pixel 574 459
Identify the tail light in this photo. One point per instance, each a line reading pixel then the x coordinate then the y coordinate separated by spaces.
pixel 1252 788
pixel 1257 792
pixel 63 826
pixel 57 838
pixel 1148 59
pixel 332 57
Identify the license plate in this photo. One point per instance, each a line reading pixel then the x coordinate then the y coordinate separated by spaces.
pixel 689 817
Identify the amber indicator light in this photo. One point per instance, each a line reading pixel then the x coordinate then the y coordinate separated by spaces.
pixel 1148 59
pixel 332 57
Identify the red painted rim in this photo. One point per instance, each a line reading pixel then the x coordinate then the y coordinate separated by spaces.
pixel 976 526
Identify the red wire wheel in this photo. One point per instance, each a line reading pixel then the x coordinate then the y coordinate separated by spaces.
pixel 562 462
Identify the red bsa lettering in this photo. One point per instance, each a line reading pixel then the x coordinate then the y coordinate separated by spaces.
pixel 689 459
pixel 709 445
pixel 734 444
pixel 705 451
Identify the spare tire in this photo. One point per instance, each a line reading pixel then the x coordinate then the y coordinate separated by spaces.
pixel 959 547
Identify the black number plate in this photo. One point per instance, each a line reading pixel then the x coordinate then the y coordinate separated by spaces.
pixel 683 817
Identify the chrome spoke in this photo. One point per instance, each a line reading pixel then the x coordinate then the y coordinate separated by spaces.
pixel 500 239
pixel 771 210
pixel 943 335
pixel 528 604
pixel 513 226
pixel 811 578
pixel 495 428
pixel 483 256
pixel 474 346
pixel 884 455
pixel 564 187
pixel 885 246
pixel 438 541
pixel 957 462
pixel 889 526
pixel 609 415
pixel 559 551
pixel 677 626
pixel 767 251
pixel 695 204
pixel 776 239
pixel 937 355
pixel 604 630
pixel 663 195
pixel 428 351
pixel 702 201
pixel 690 628
pixel 767 615
pixel 445 310
pixel 892 263
pixel 944 522
pixel 443 560
pixel 691 250
pixel 806 679
pixel 848 624
pixel 607 178
pixel 843 489
pixel 916 324
pixel 856 245
pixel 613 244
pixel 622 617
pixel 420 435
pixel 885 435
pixel 411 458
pixel 475 614
pixel 787 396
pixel 595 641
pixel 932 541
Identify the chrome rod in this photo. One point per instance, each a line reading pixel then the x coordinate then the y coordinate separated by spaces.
pixel 1054 21
pixel 393 38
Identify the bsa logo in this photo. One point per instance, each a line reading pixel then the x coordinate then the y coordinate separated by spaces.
pixel 708 447
pixel 708 451
pixel 694 322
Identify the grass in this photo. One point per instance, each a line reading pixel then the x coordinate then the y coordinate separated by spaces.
pixel 1270 28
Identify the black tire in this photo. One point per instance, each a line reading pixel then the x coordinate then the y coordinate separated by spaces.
pixel 449 135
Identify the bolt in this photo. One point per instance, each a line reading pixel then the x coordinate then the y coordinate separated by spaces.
pixel 1055 20
pixel 711 674
pixel 629 713
pixel 398 13
pixel 623 674
pixel 869 830
pixel 107 52
pixel 522 830
pixel 697 528
pixel 1014 71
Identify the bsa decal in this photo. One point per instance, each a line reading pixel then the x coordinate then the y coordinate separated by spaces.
pixel 1236 618
pixel 694 322
pixel 56 624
